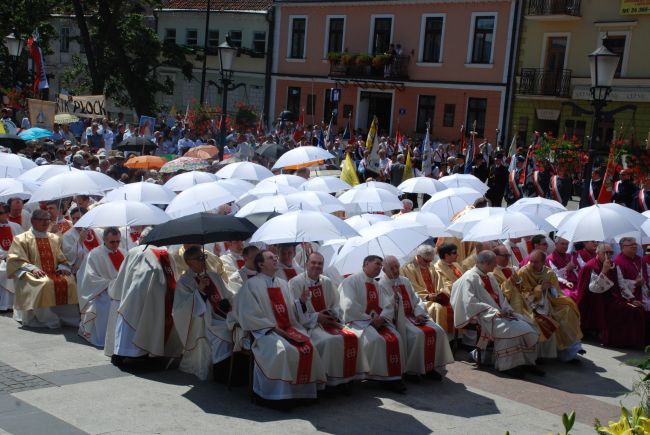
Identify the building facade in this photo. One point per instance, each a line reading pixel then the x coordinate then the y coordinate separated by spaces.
pixel 448 64
pixel 553 68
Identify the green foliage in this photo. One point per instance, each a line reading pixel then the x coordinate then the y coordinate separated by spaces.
pixel 246 116
pixel 334 57
pixel 642 387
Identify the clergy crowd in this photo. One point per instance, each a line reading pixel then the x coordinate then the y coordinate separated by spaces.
pixel 514 302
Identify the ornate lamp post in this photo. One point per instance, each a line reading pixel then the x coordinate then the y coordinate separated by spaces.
pixel 15 47
pixel 226 57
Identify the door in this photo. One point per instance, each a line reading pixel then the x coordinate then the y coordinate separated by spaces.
pixel 377 104
pixel 554 65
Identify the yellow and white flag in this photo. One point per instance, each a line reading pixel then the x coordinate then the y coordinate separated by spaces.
pixel 372 144
pixel 408 168
pixel 348 173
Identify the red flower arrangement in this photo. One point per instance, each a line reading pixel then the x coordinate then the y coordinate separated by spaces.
pixel 567 156
pixel 637 158
pixel 200 119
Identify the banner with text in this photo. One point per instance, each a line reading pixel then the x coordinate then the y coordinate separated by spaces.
pixel 87 106
pixel 41 113
pixel 635 7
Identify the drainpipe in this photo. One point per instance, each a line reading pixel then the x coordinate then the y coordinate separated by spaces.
pixel 515 42
pixel 270 18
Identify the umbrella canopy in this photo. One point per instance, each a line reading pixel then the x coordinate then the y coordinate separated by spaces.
pixel 149 193
pixel 200 228
pixel 468 219
pixel 537 206
pixel 370 200
pixel 65 118
pixel 600 222
pixel 180 182
pixel 12 188
pixel 205 152
pixel 184 164
pixel 425 185
pixel 235 186
pixel 265 204
pixel 234 158
pixel 646 214
pixel 434 226
pixel 202 197
pixel 314 200
pixel 12 165
pixel 258 219
pixel 137 144
pixel 302 156
pixel 146 162
pixel 122 214
pixel 379 185
pixel 327 184
pixel 40 174
pixel 244 171
pixel 448 202
pixel 507 226
pixel 12 141
pixel 464 180
pixel 365 220
pixel 74 183
pixel 284 179
pixel 35 133
pixel 262 190
pixel 303 226
pixel 271 151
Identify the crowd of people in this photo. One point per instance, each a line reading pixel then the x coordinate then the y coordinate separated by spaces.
pixel 515 302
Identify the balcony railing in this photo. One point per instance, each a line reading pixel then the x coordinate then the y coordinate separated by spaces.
pixel 397 69
pixel 545 8
pixel 537 81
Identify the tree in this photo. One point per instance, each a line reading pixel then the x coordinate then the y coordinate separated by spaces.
pixel 123 53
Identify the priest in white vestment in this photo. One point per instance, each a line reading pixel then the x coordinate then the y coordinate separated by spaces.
pixel 233 259
pixel 477 298
pixel 45 290
pixel 337 345
pixel 287 365
pixel 288 267
pixel 18 214
pixel 77 243
pixel 247 271
pixel 427 346
pixel 202 307
pixel 8 230
pixel 369 310
pixel 96 275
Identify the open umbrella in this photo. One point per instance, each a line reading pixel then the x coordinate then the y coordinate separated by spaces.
pixel 425 185
pixel 180 182
pixel 202 197
pixel 284 179
pixel 265 204
pixel 464 180
pixel 379 185
pixel 262 190
pixel 448 202
pixel 434 226
pixel 244 171
pixel 149 193
pixel 12 141
pixel 370 200
pixel 205 152
pixel 137 144
pixel 74 183
pixel 200 229
pixel 145 162
pixel 65 118
pixel 122 214
pixel 302 156
pixel 326 183
pixel 258 219
pixel 537 206
pixel 314 200
pixel 303 226
pixel 365 220
pixel 235 186
pixel 271 151
pixel 12 165
pixel 35 133
pixel 184 164
pixel 469 218
pixel 600 222
pixel 557 218
pixel 509 225
pixel 40 174
pixel 646 214
pixel 12 188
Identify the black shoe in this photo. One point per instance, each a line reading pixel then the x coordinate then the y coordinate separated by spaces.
pixel 396 386
pixel 412 378
pixel 534 370
pixel 117 360
pixel 575 361
pixel 434 375
pixel 514 372
pixel 582 351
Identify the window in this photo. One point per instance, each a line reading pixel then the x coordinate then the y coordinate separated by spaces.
pixel 483 38
pixel 335 35
pixel 311 104
pixel 235 38
pixel 259 42
pixel 191 37
pixel 328 107
pixel 432 40
pixel 575 128
pixel 64 40
pixel 297 38
pixel 293 101
pixel 522 131
pixel 426 109
pixel 476 108
pixel 213 38
pixel 170 35
pixel 448 116
pixel 347 111
pixel 381 35
pixel 616 44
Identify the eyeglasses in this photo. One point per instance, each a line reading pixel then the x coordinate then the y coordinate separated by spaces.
pixel 609 252
pixel 199 258
pixel 630 244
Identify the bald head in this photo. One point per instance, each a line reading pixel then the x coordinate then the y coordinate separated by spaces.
pixel 537 259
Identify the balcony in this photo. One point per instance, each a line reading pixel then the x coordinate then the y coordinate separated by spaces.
pixel 537 81
pixel 397 69
pixel 553 10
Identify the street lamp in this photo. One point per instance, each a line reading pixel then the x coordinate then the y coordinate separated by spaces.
pixel 14 45
pixel 226 57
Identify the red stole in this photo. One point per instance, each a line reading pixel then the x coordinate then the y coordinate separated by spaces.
pixel 16 219
pixel 135 235
pixel 91 242
pixel 487 283
pixel 514 186
pixel 429 332
pixel 529 246
pixel 297 339
pixel 507 272
pixel 426 277
pixel 392 343
pixel 6 237
pixel 214 297
pixel 517 253
pixel 290 272
pixel 49 267
pixel 63 226
pixel 116 258
pixel 538 187
pixel 163 257
pixel 456 270
pixel 240 263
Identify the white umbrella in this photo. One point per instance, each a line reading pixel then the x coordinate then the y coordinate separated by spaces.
pixel 199 198
pixel 507 226
pixel 265 204
pixel 261 190
pixel 244 171
pixel 302 156
pixel 365 220
pixel 557 218
pixel 122 214
pixel 382 239
pixel 40 174
pixel 327 184
pixel 183 181
pixel 448 202
pixel 600 223
pixel 13 165
pixel 235 186
pixel 73 183
pixel 303 226
pixel 468 219
pixel 646 214
pixel 537 206
pixel 425 185
pixel 142 191
pixel 12 188
pixel 370 200
pixel 433 225
pixel 379 185
pixel 285 179
pixel 464 180
pixel 314 200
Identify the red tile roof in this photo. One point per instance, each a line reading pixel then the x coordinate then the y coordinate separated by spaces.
pixel 217 5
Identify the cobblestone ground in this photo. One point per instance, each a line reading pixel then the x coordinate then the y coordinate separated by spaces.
pixel 13 380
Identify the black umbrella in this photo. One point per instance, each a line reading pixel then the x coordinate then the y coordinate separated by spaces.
pixel 271 151
pixel 15 142
pixel 200 228
pixel 258 219
pixel 137 144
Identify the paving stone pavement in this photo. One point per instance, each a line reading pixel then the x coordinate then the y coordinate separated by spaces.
pixel 13 380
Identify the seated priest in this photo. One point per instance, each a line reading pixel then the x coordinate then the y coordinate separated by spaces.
pixel 8 230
